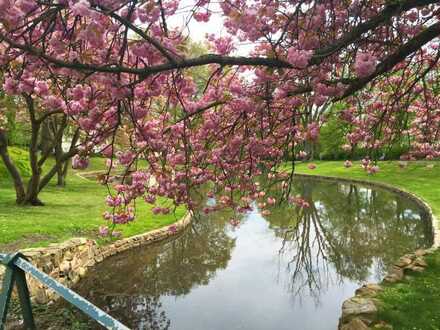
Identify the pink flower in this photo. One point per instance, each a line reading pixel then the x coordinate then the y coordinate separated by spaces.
pixel 348 164
pixel 81 8
pixel 113 201
pixel 271 201
pixel 79 162
pixel 302 155
pixel 116 233
pixel 150 199
pixel 41 88
pixel 10 86
pixel 107 151
pixel 265 212
pixel 365 64
pixel 299 58
pixel 74 108
pixel 372 169
pixel 172 229
pixel 4 4
pixel 311 166
pixel 125 158
pixel 103 231
pixel 26 5
pixel 202 17
pixel 54 102
pixel 78 92
pixel 234 222
pixel 299 201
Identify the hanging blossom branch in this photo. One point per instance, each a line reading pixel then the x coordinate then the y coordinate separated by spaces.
pixel 138 90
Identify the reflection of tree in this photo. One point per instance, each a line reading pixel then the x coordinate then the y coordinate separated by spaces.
pixel 170 268
pixel 349 227
pixel 347 232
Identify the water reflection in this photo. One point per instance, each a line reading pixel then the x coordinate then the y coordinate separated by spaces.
pixel 276 272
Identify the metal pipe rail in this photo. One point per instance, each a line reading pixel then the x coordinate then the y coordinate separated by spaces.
pixel 16 268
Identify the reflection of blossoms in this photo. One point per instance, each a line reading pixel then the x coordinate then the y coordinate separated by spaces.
pixel 299 201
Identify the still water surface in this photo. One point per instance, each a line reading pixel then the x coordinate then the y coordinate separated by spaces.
pixel 289 270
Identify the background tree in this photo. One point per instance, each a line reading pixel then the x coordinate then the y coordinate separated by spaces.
pixel 47 133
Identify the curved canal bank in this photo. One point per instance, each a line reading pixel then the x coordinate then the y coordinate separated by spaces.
pixel 71 270
pixel 278 271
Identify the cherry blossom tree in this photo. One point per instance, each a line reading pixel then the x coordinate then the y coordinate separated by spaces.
pixel 120 64
pixel 48 131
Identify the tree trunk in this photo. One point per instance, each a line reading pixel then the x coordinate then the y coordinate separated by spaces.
pixel 34 182
pixel 12 169
pixel 62 174
pixel 32 191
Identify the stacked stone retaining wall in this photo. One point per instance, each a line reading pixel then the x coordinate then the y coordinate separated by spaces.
pixel 69 261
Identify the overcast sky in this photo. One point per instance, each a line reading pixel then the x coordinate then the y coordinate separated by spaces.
pixel 198 30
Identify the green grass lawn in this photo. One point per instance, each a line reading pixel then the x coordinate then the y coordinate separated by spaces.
pixel 414 303
pixel 75 210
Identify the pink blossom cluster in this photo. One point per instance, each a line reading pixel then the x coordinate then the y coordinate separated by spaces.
pixel 299 58
pixel 299 202
pixel 365 64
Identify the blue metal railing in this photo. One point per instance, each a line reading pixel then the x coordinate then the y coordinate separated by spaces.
pixel 16 268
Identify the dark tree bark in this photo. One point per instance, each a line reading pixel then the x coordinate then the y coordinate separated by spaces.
pixel 34 181
pixel 62 174
pixel 12 169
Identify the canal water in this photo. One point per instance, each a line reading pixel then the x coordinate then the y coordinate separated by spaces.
pixel 289 270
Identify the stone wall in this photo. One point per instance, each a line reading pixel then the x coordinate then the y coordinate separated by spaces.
pixel 360 312
pixel 69 261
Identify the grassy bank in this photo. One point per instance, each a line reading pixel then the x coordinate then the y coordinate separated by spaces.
pixel 412 304
pixel 75 210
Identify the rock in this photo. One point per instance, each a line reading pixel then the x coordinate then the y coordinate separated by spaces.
pixel 65 267
pixel 68 256
pixel 99 258
pixel 41 297
pixel 391 279
pixel 383 326
pixel 47 267
pixel 420 252
pixel 358 307
pixel 396 272
pixel 31 253
pixel 82 271
pixel 355 324
pixel 419 261
pixel 402 262
pixel 369 290
pixel 415 268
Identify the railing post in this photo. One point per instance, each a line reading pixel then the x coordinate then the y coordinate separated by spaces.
pixel 16 268
pixel 15 275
